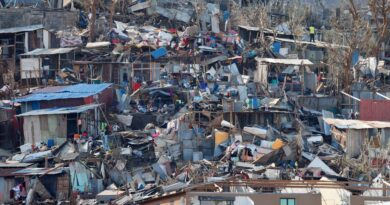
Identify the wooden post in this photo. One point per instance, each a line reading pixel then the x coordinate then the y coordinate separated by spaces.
pixel 112 11
pixel 92 22
pixel 59 62
pixel 46 162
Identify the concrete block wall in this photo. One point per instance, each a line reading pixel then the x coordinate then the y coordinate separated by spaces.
pixel 51 19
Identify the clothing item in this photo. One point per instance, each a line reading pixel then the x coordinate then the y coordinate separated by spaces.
pixel 311 29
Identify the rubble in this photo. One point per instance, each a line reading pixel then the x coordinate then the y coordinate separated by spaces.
pixel 139 101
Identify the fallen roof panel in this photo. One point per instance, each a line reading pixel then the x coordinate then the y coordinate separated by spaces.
pixel 285 61
pixel 14 165
pixel 38 171
pixel 50 51
pixel 21 29
pixel 320 44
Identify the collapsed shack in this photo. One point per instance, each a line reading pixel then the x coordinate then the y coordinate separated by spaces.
pixel 196 109
pixel 136 147
pixel 154 104
pixel 44 184
pixel 13 42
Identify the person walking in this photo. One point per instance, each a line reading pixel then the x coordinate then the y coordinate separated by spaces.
pixel 312 33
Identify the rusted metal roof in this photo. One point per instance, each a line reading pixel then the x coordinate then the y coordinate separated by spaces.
pixel 356 124
pixel 375 110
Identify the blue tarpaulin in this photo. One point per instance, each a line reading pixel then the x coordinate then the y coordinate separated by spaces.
pixel 276 46
pixel 159 53
pixel 66 92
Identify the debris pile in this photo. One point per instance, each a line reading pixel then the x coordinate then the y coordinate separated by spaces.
pixel 143 100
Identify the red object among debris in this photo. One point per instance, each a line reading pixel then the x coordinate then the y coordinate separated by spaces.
pixel 375 110
pixel 136 86
pixel 172 30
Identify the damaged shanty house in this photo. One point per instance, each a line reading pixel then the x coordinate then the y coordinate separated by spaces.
pixel 67 96
pixel 56 113
pixel 201 113
pixel 43 184
pixel 292 76
pixel 13 42
pixel 47 66
pixel 364 142
pixel 8 180
pixel 56 125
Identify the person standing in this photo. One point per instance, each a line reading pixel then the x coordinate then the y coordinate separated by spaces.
pixel 312 33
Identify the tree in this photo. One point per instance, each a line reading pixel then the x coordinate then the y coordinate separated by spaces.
pixel 349 34
pixel 380 14
pixel 358 29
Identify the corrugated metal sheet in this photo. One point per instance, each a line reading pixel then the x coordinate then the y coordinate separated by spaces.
pixel 50 51
pixel 50 89
pixel 356 124
pixel 59 111
pixel 319 44
pixel 73 91
pixel 355 140
pixel 6 114
pixel 6 184
pixel 21 29
pixel 62 103
pixel 14 165
pixel 38 171
pixel 285 61
pixel 318 103
pixel 375 110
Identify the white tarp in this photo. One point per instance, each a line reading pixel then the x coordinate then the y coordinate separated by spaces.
pixel 261 74
pixel 30 68
pixel 256 131
pixel 318 163
pixel 125 119
pixel 284 61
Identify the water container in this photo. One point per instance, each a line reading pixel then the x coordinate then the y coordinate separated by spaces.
pixel 255 103
pixel 50 142
pixel 276 46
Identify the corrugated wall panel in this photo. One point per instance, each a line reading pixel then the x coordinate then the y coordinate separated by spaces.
pixel 355 140
pixel 61 103
pixel 375 110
